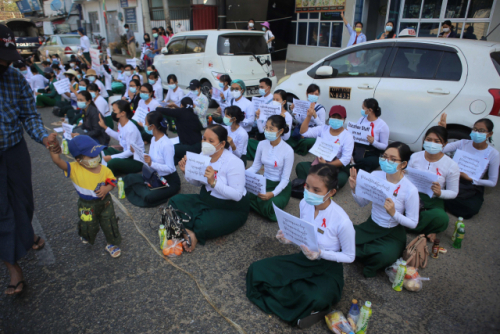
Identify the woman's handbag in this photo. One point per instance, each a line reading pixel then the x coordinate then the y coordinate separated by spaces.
pixel 152 179
pixel 416 253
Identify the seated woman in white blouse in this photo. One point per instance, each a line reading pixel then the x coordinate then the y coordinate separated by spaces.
pixel 381 239
pixel 236 135
pixel 300 288
pixel 161 160
pixel 277 158
pixel 334 133
pixel 222 205
pixel 433 218
pixel 101 104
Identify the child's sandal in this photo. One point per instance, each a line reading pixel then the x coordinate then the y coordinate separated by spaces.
pixel 113 250
pixel 84 241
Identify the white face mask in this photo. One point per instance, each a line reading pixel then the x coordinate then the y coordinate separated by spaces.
pixel 446 29
pixel 208 149
pixel 127 73
pixel 91 163
pixel 276 103
pixel 236 94
pixel 251 25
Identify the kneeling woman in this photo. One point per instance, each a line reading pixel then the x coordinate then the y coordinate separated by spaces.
pixel 294 286
pixel 277 158
pixel 222 206
pixel 237 136
pixel 161 160
pixel 380 240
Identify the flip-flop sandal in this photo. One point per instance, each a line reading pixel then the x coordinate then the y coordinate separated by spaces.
pixel 14 287
pixel 113 250
pixel 84 241
pixel 40 247
pixel 443 250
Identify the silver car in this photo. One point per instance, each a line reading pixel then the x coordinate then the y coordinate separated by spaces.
pixel 64 45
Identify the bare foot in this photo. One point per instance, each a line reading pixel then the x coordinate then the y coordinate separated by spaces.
pixel 431 237
pixel 194 241
pixel 39 245
pixel 16 276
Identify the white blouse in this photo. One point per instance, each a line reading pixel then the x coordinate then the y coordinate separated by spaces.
pixel 126 134
pixel 288 120
pixel 102 106
pixel 277 161
pixel 406 202
pixel 230 176
pixel 227 96
pixel 379 132
pixel 107 78
pixel 335 232
pixel 446 169
pixel 162 156
pixel 175 97
pixel 102 90
pixel 344 140
pixel 158 89
pixel 489 153
pixel 153 104
pixel 247 107
pixel 240 139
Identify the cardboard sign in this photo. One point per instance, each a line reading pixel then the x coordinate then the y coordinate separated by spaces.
pixel 300 108
pixel 359 132
pixel 62 86
pixel 268 110
pixel 470 164
pixel 422 180
pixel 255 183
pixel 68 130
pixel 196 165
pixel 298 231
pixel 372 188
pixel 325 149
pixel 140 115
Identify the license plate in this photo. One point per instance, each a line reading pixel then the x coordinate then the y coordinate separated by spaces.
pixel 253 90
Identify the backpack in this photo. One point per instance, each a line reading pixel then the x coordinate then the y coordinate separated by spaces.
pixel 416 253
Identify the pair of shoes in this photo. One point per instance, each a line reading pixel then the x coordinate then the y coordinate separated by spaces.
pixel 40 247
pixel 113 250
pixel 311 319
pixel 15 287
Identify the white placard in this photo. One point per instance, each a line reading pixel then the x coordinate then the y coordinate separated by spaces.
pixel 108 52
pixel 196 165
pixel 140 115
pixel 470 164
pixel 138 153
pixel 298 231
pixel 97 70
pixel 215 93
pixel 58 130
pixel 257 101
pixel 359 132
pixel 175 140
pixel 325 149
pixel 372 188
pixel 62 86
pixel 255 183
pixel 94 57
pixel 68 129
pixel 132 62
pixel 422 179
pixel 300 108
pixel 268 110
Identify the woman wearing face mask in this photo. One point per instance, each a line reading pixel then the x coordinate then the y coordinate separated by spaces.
pixel 334 133
pixel 388 32
pixel 300 144
pixel 448 31
pixel 50 98
pixel 189 128
pixel 68 99
pixel 200 101
pixel 147 49
pixel 90 119
pixel 433 218
pixel 154 80
pixel 357 36
pixel 268 35
pixel 277 158
pixel 161 160
pixel 150 69
pixel 92 77
pixel 132 94
pixel 223 204
pixel 74 114
pixel 149 104
pixel 238 89
pixel 173 98
pixel 381 239
pixel 101 105
pixel 237 136
pixel 223 98
pixel 122 162
pixel 251 24
pixel 366 156
pixel 301 288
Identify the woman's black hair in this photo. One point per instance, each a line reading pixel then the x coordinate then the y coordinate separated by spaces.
pixel 154 74
pixel 137 83
pixel 153 67
pixel 84 66
pixel 87 97
pixel 403 150
pixel 124 106
pixel 393 32
pixel 448 23
pixel 282 93
pixel 226 79
pixel 373 105
pixel 93 87
pixel 187 101
pixel 146 34
pixel 328 173
pixel 221 133
pixel 235 111
pixel 312 88
pixel 173 77
pixel 156 118
pixel 149 88
pixel 138 78
pixel 439 131
pixel 358 22
pixel 279 122
pixel 488 123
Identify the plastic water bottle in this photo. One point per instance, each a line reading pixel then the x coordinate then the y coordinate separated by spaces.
pixel 121 188
pixel 460 236
pixel 65 149
pixel 364 317
pixel 162 232
pixel 459 221
pixel 397 285
pixel 353 315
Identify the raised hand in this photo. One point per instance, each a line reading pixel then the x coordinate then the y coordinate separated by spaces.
pixel 352 178
pixel 442 121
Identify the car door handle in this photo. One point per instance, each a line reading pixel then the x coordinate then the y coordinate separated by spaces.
pixel 438 91
pixel 365 86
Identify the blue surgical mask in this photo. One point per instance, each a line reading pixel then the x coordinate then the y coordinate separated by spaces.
pixel 313 199
pixel 149 72
pixel 363 114
pixel 432 148
pixel 78 76
pixel 81 105
pixel 388 167
pixel 126 29
pixel 388 28
pixel 120 71
pixel 227 121
pixel 312 98
pixel 56 62
pixel 335 123
pixel 149 132
pixel 172 86
pixel 92 94
pixel 271 136
pixel 477 137
pixel 24 72
pixel 144 96
pixel 263 29
pixel 151 82
pixel 155 35
pixel 262 91
pixel 132 89
pixel 81 88
pixel 91 78
pixel 221 85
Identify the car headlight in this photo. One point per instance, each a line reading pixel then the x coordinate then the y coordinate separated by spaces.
pixel 285 78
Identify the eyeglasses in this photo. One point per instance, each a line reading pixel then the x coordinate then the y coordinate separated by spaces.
pixel 480 130
pixel 390 160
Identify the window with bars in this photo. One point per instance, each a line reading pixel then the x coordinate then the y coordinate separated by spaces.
pixel 94 22
pixel 317 29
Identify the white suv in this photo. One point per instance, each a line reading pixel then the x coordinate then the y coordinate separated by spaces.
pixel 206 54
pixel 414 81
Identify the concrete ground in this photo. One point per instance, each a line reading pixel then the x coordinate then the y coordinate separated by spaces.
pixel 76 288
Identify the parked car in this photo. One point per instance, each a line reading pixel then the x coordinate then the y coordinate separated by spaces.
pixel 64 45
pixel 207 54
pixel 414 81
pixel 26 34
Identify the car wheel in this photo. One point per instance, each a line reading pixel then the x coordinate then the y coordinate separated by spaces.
pixel 205 89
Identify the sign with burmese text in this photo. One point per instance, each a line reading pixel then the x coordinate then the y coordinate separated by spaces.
pixel 298 231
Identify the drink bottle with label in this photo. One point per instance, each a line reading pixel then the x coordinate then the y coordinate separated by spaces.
pixel 162 232
pixel 121 188
pixel 459 221
pixel 460 236
pixel 397 285
pixel 353 315
pixel 65 149
pixel 364 317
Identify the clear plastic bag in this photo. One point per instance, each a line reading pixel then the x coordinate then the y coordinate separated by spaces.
pixel 412 281
pixel 414 284
pixel 173 248
pixel 337 323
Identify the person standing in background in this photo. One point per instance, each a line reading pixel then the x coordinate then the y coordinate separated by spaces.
pixel 251 24
pixel 389 31
pixel 357 36
pixel 158 42
pixel 448 31
pixel 268 35
pixel 130 41
pixel 84 44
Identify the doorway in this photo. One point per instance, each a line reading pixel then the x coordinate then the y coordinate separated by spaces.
pixel 112 28
pixel 374 16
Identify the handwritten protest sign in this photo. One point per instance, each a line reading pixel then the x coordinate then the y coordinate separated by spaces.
pixel 372 188
pixel 94 57
pixel 359 132
pixel 62 86
pixel 196 165
pixel 255 183
pixel 470 164
pixel 297 230
pixel 325 149
pixel 257 101
pixel 132 62
pixel 215 93
pixel 300 108
pixel 138 153
pixel 422 179
pixel 268 110
pixel 140 115
pixel 67 130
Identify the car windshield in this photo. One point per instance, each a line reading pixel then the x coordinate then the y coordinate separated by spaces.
pixel 230 45
pixel 70 40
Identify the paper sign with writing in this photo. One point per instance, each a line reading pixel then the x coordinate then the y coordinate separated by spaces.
pixel 268 110
pixel 422 179
pixel 108 52
pixel 132 62
pixel 255 183
pixel 359 132
pixel 175 140
pixel 138 153
pixel 372 188
pixel 470 164
pixel 325 149
pixel 62 86
pixel 300 108
pixel 257 101
pixel 215 93
pixel 68 129
pixel 196 165
pixel 298 231
pixel 94 57
pixel 140 115
pixel 58 130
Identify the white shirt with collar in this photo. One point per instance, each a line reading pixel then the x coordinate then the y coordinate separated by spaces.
pixel 126 134
pixel 162 156
pixel 240 140
pixel 153 104
pixel 102 89
pixel 102 106
pixel 379 132
pixel 60 75
pixel 344 140
pixel 38 82
pixel 247 107
pixel 158 89
pixel 85 43
pixel 227 97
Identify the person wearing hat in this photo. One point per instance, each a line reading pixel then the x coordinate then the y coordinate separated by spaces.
pixel 92 77
pixel 200 101
pixel 17 110
pixel 238 89
pixel 84 44
pixel 92 182
pixel 334 133
pixel 68 98
pixel 268 35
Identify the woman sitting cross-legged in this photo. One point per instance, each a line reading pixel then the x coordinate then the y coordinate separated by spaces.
pixel 89 125
pixel 237 136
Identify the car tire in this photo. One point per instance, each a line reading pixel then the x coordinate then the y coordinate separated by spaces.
pixel 205 89
pixel 455 134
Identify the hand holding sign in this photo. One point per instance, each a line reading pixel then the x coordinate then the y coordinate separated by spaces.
pixel 62 86
pixel 268 110
pixel 470 164
pixel 132 62
pixel 138 153
pixel 296 230
pixel 360 133
pixel 422 179
pixel 257 101
pixel 372 188
pixel 300 108
pixel 255 183
pixel 324 149
pixel 196 165
pixel 140 115
pixel 68 129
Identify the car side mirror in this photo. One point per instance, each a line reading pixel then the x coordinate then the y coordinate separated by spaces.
pixel 326 71
pixel 164 51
